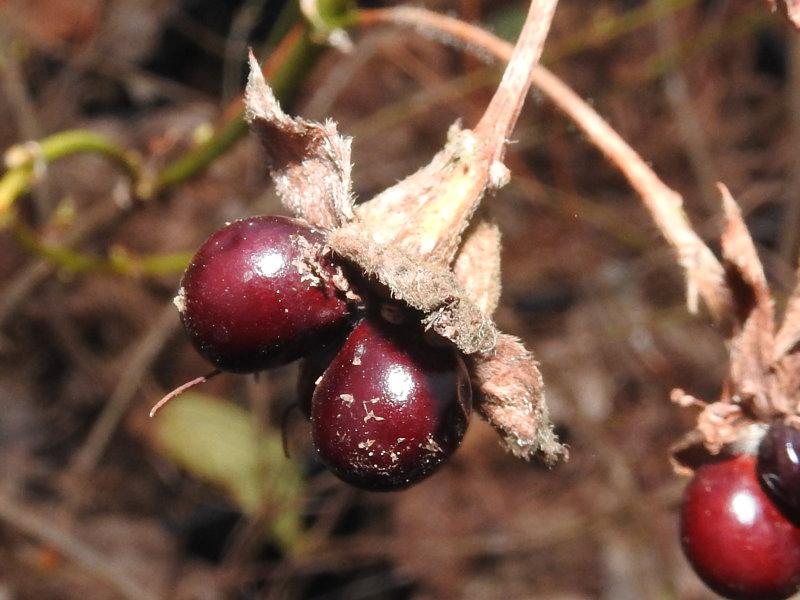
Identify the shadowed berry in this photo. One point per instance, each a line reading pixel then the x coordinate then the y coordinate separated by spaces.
pixel 390 408
pixel 311 369
pixel 738 542
pixel 778 467
pixel 257 294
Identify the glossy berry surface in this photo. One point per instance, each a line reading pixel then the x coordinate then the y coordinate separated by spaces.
pixel 738 542
pixel 390 408
pixel 778 467
pixel 252 298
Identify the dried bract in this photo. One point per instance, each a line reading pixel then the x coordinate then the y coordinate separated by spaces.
pixel 789 8
pixel 309 162
pixel 477 265
pixel 763 382
pixel 513 400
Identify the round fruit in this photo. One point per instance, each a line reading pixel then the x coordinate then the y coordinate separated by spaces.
pixel 738 542
pixel 390 408
pixel 258 294
pixel 778 467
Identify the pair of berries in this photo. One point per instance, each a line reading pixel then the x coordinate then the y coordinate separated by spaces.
pixel 739 520
pixel 387 407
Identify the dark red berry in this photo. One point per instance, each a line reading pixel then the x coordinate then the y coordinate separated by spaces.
pixel 390 408
pixel 257 294
pixel 778 467
pixel 738 542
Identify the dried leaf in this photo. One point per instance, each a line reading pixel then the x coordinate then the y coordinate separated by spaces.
pixel 220 443
pixel 787 381
pixel 788 335
pixel 477 265
pixel 309 162
pixel 753 340
pixel 512 399
pixel 740 254
pixel 722 431
pixel 790 9
pixel 718 423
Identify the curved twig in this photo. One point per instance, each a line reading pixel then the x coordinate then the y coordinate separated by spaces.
pixel 704 273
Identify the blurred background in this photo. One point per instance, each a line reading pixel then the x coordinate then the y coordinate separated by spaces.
pixel 98 501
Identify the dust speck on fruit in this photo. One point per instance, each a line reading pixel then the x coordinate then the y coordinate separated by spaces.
pixel 180 300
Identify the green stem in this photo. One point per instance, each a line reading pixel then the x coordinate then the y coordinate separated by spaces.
pixel 62 257
pixel 12 185
pixel 23 158
pixel 118 262
pixel 285 82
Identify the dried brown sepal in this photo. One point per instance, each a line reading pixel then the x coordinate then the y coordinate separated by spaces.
pixel 426 213
pixel 788 336
pixel 309 162
pixel 511 398
pixel 681 398
pixel 723 429
pixel 429 288
pixel 789 8
pixel 477 265
pixel 690 452
pixel 752 343
pixel 763 380
pixel 719 423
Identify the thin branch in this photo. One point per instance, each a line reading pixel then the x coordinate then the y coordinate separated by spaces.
pixel 704 273
pixel 24 161
pixel 118 261
pixel 287 65
pixel 285 69
pixel 427 213
pixel 501 115
pixel 181 389
pixel 17 289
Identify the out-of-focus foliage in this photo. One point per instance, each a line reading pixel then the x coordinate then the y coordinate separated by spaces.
pixel 222 444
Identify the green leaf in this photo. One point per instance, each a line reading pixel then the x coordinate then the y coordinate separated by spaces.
pixel 220 443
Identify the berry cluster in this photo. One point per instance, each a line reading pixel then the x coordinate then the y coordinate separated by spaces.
pixel 387 406
pixel 739 520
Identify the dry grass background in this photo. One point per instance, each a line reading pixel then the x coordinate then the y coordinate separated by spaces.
pixel 708 91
